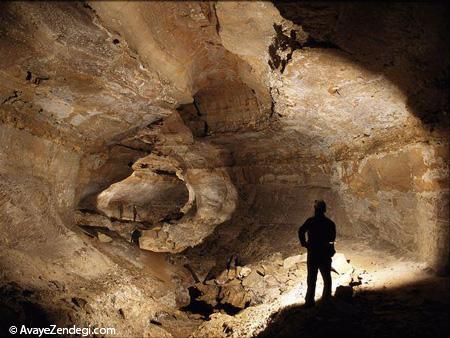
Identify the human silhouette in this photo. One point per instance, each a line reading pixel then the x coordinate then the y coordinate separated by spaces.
pixel 321 233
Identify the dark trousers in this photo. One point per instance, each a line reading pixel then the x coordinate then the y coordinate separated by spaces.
pixel 315 263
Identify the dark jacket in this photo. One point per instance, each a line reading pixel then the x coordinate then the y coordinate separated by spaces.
pixel 321 232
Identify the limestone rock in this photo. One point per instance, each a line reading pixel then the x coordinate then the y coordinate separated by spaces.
pixel 291 262
pixel 234 295
pixel 254 280
pixel 209 293
pixel 232 273
pixel 104 238
pixel 340 264
pixel 244 272
pixel 222 278
pixel 210 128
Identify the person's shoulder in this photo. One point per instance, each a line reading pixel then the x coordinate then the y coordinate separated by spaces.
pixel 329 221
pixel 308 221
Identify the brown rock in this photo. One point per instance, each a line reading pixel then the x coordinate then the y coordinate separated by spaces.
pixel 234 295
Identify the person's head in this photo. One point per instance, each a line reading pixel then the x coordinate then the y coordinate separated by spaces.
pixel 320 207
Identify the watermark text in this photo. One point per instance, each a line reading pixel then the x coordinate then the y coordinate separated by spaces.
pixel 52 329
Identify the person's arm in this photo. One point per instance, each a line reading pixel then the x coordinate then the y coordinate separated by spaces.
pixel 332 239
pixel 333 232
pixel 302 234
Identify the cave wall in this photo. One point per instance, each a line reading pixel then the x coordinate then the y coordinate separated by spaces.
pixel 363 115
pixel 24 155
pixel 38 197
pixel 53 274
pixel 61 120
pixel 230 108
pixel 251 110
pixel 386 163
pixel 101 167
pixel 287 109
pixel 280 183
pixel 400 196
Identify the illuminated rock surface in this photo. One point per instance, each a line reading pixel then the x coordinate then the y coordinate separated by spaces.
pixel 158 158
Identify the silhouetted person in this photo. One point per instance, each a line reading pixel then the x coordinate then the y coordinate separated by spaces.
pixel 321 233
pixel 135 214
pixel 135 235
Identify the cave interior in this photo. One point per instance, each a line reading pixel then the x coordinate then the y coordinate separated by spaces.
pixel 157 159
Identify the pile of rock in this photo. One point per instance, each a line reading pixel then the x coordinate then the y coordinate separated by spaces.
pixel 238 287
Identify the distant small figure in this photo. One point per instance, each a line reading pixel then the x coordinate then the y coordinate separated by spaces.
pixel 321 236
pixel 135 235
pixel 135 214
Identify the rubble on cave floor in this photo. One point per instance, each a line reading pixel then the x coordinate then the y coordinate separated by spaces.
pixel 268 299
pixel 372 291
pixel 262 288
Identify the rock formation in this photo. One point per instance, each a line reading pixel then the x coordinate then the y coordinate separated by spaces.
pixel 160 156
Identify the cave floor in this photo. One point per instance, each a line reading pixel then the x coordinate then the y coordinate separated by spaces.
pixel 410 311
pixel 398 297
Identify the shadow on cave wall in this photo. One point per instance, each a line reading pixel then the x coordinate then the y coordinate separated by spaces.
pixel 415 310
pixel 407 42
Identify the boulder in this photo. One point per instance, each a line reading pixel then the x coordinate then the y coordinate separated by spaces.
pixel 234 295
pixel 222 278
pixel 209 293
pixel 271 281
pixel 344 293
pixel 291 262
pixel 244 272
pixel 254 280
pixel 341 265
pixel 104 238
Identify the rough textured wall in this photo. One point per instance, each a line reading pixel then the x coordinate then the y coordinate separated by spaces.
pixel 180 42
pixel 360 115
pixel 66 78
pixel 349 83
pixel 280 104
pixel 172 125
pixel 400 196
pixel 51 274
pixel 65 97
pixel 388 93
pixel 24 154
pixel 230 108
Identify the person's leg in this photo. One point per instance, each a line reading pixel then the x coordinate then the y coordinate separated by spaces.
pixel 311 280
pixel 325 271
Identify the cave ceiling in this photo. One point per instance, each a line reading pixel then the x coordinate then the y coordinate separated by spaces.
pixel 87 76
